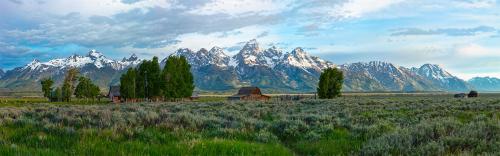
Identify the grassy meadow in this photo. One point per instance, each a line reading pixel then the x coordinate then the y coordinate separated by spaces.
pixel 351 125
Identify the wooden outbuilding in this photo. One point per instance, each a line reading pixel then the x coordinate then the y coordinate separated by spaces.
pixel 460 95
pixel 473 94
pixel 114 94
pixel 249 93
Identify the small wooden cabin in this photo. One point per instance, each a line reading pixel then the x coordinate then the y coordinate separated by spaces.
pixel 460 95
pixel 114 94
pixel 249 93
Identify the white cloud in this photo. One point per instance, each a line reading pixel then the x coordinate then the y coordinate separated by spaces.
pixel 476 3
pixel 238 7
pixel 358 8
pixel 88 7
pixel 476 51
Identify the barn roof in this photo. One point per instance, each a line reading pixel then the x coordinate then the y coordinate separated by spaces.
pixel 114 90
pixel 249 91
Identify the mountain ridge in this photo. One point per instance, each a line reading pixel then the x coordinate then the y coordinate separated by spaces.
pixel 490 84
pixel 269 68
pixel 95 65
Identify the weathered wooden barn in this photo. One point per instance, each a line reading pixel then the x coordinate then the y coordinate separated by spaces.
pixel 460 95
pixel 114 94
pixel 249 93
pixel 473 94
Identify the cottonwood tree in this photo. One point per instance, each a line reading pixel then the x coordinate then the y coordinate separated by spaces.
pixel 128 84
pixel 86 89
pixel 47 87
pixel 177 78
pixel 58 95
pixel 330 83
pixel 149 81
pixel 69 84
pixel 154 87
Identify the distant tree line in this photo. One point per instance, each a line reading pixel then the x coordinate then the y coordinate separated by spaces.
pixel 84 89
pixel 149 81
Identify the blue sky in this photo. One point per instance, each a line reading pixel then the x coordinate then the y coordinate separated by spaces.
pixel 460 35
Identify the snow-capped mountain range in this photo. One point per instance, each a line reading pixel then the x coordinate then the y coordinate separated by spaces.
pixel 94 65
pixel 383 76
pixel 485 83
pixel 271 69
pixel 76 61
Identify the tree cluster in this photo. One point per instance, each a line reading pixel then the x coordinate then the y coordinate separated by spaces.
pixel 149 81
pixel 84 89
pixel 330 83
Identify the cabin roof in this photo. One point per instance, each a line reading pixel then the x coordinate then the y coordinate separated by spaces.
pixel 249 91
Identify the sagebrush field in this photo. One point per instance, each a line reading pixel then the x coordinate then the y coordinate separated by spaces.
pixel 353 125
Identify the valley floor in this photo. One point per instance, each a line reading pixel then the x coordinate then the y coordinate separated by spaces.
pixel 351 125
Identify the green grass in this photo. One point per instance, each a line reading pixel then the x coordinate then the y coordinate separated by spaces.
pixel 337 142
pixel 211 99
pixel 19 102
pixel 371 125
pixel 25 139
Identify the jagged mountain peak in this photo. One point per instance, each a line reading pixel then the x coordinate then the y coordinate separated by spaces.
pixel 253 43
pixel 374 67
pixel 202 57
pixel 373 64
pixel 132 58
pixel 183 51
pixel 95 54
pixel 253 55
pixel 74 56
pixel 428 65
pixel 273 52
pixel 433 71
pixel 203 50
pixel 300 58
pixel 251 46
pixel 298 51
pixel 218 51
pixel 33 64
pixel 34 61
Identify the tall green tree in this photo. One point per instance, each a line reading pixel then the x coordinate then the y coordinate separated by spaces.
pixel 69 84
pixel 170 78
pixel 154 87
pixel 58 95
pixel 141 79
pixel 177 78
pixel 330 83
pixel 94 91
pixel 148 82
pixel 186 77
pixel 82 87
pixel 128 84
pixel 47 87
pixel 86 89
